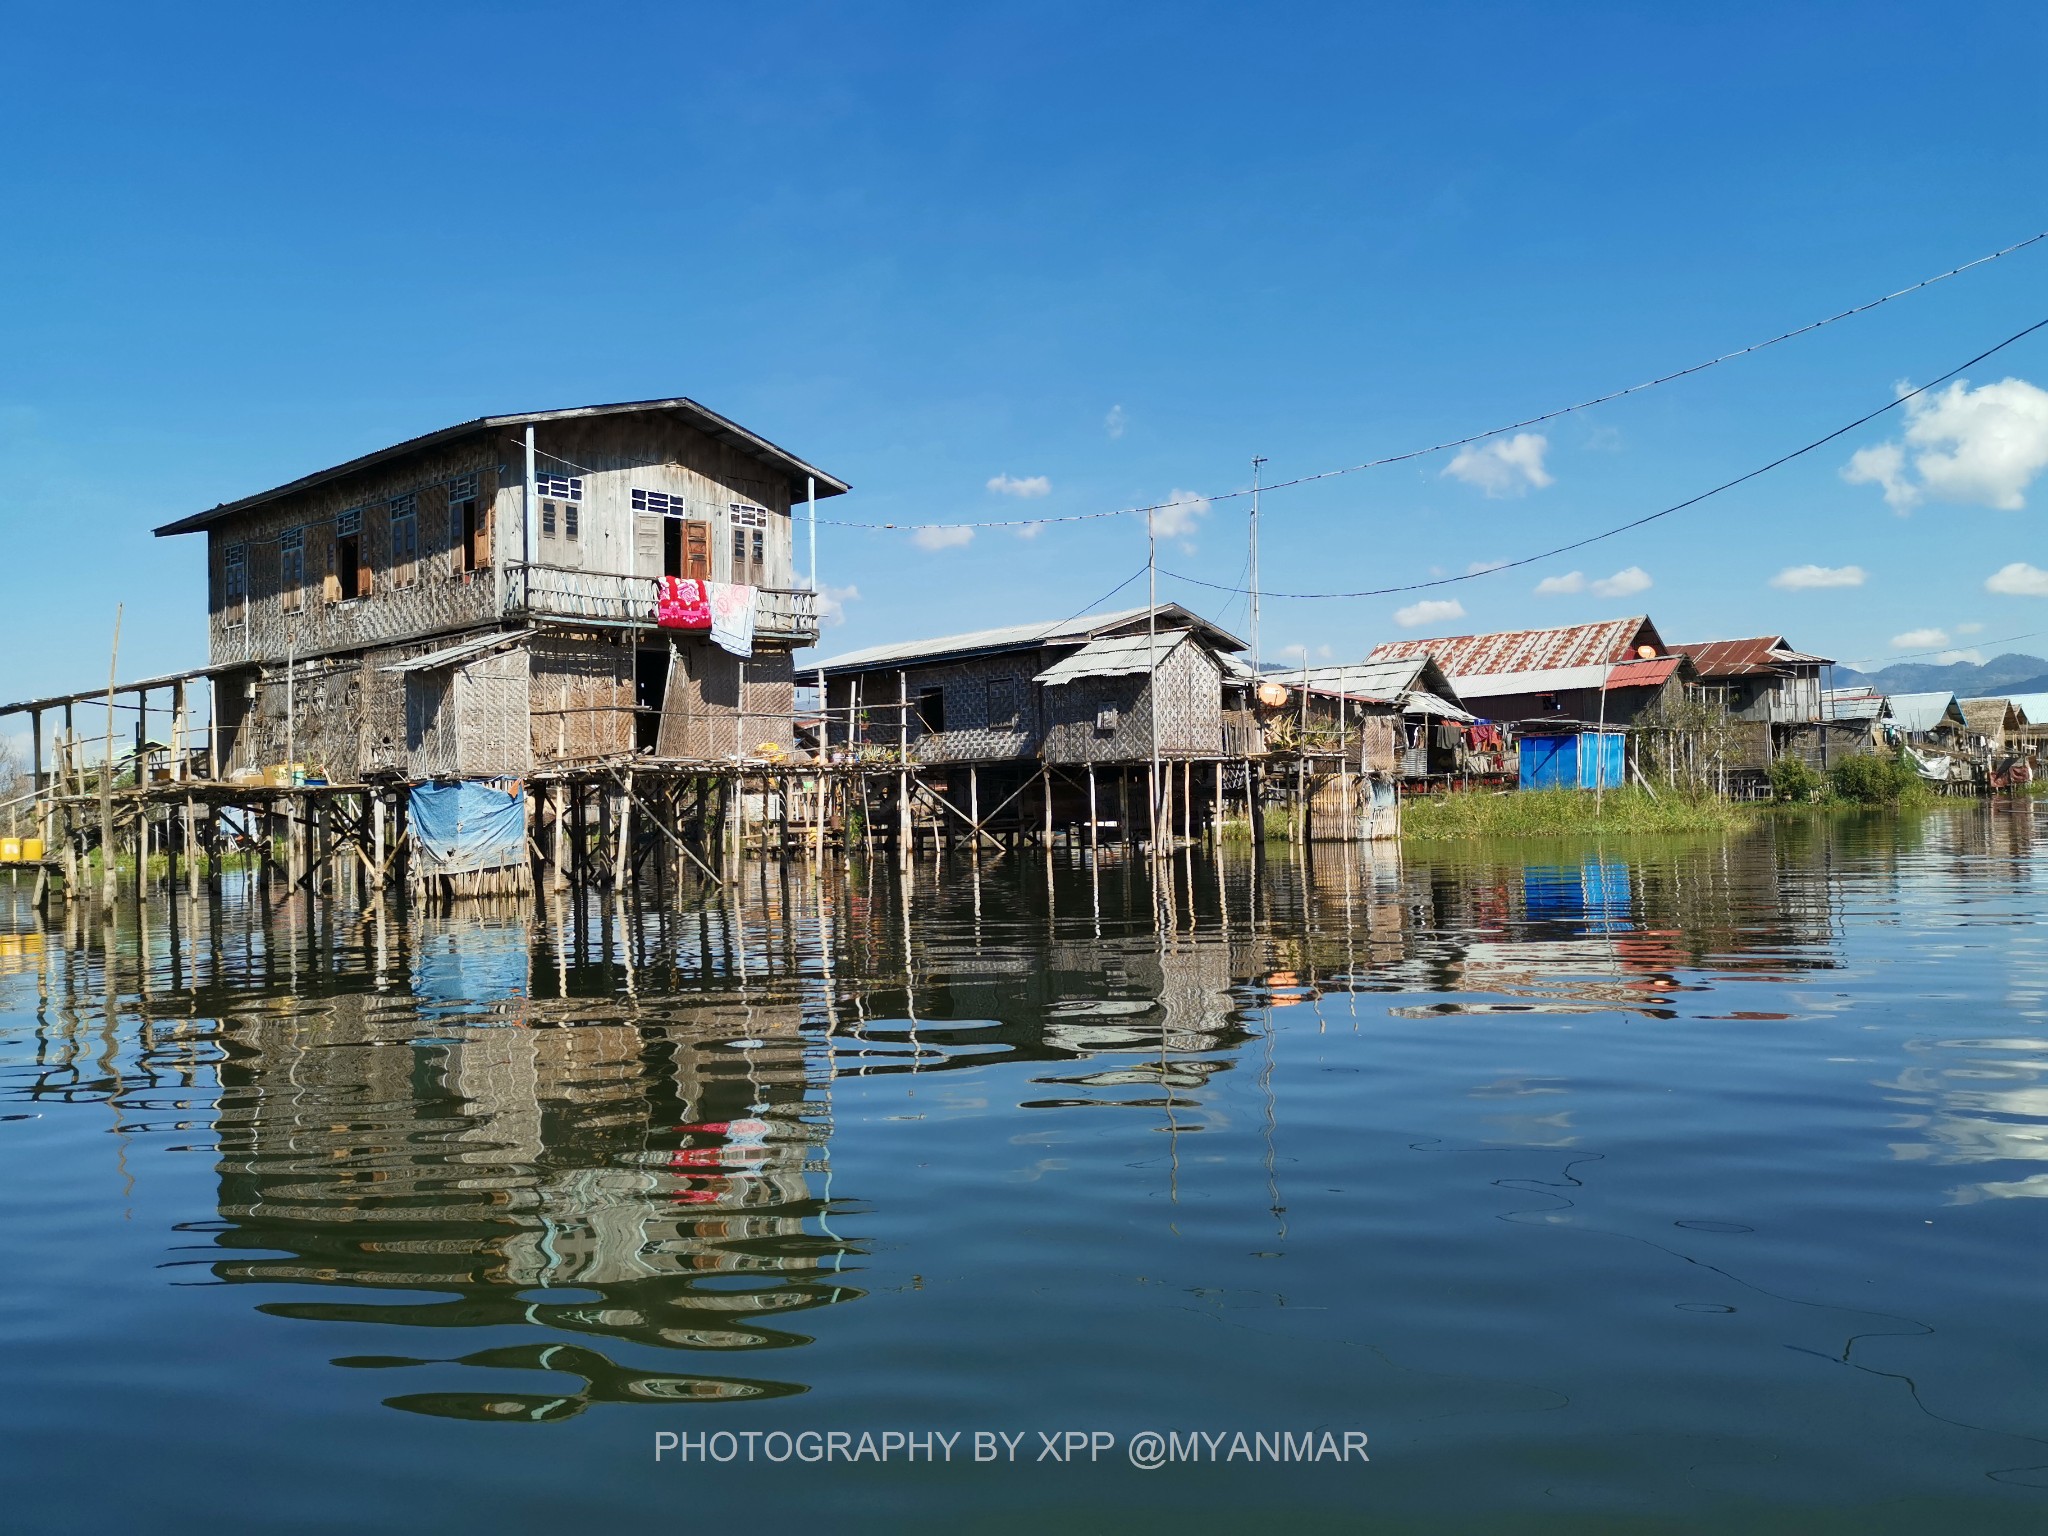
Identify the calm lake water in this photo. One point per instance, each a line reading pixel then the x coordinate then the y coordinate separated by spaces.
pixel 1666 1186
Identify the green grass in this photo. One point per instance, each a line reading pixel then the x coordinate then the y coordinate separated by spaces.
pixel 1565 812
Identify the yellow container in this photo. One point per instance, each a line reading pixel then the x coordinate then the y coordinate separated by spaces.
pixel 31 850
pixel 10 850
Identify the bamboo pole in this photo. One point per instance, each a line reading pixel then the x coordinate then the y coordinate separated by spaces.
pixel 109 887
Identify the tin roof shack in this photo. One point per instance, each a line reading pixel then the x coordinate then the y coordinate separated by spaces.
pixel 1762 683
pixel 483 599
pixel 1585 673
pixel 1851 723
pixel 1349 733
pixel 1070 692
pixel 1930 720
pixel 1400 717
pixel 1002 702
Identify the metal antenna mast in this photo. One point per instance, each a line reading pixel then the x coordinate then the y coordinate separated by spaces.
pixel 1257 460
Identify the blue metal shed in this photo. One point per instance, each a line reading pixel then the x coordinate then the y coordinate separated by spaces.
pixel 1581 760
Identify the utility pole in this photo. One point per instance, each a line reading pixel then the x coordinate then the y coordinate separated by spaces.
pixel 1152 670
pixel 1257 460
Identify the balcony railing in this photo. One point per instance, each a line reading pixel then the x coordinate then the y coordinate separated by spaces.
pixel 601 597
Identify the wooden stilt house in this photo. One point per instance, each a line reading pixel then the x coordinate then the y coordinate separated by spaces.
pixel 487 599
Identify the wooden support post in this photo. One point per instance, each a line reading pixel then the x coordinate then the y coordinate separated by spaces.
pixel 109 887
pixel 1216 807
pixel 1255 803
pixel 622 863
pixel 1123 804
pixel 1045 783
pixel 1187 801
pixel 1094 840
pixel 974 807
pixel 191 848
pixel 378 833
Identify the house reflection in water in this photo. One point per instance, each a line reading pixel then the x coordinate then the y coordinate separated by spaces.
pixel 660 1175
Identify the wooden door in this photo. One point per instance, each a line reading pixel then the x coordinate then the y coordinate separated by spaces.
pixel 696 550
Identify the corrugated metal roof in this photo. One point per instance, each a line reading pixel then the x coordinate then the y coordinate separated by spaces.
pixel 1114 656
pixel 1019 637
pixel 1547 680
pixel 1919 711
pixel 1852 704
pixel 1418 702
pixel 1760 654
pixel 701 417
pixel 451 655
pixel 1643 674
pixel 1528 650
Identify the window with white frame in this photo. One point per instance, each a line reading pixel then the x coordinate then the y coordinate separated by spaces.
pixel 660 502
pixel 559 487
pixel 749 539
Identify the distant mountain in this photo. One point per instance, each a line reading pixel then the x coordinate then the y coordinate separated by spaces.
pixel 2010 673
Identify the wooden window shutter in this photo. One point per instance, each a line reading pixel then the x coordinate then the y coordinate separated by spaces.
pixel 697 550
pixel 371 534
pixel 485 496
pixel 647 544
pixel 330 578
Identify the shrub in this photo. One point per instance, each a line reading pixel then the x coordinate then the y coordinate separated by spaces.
pixel 1874 780
pixel 1793 778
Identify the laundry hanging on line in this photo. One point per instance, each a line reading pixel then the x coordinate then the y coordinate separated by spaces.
pixel 732 615
pixel 681 603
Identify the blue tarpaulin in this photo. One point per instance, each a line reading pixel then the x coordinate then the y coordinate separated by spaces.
pixel 458 828
pixel 1583 760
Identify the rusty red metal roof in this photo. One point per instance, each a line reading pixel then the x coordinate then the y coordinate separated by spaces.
pixel 1530 650
pixel 1756 656
pixel 1643 674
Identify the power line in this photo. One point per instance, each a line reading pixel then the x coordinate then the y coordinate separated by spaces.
pixel 1690 501
pixel 1941 650
pixel 1475 437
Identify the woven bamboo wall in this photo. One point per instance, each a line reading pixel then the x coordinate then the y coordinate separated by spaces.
pixel 580 697
pixel 439 599
pixel 707 718
pixel 1190 695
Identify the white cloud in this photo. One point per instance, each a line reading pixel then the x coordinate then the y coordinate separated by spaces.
pixel 1433 610
pixel 1624 583
pixel 1807 578
pixel 1028 530
pixel 1971 628
pixel 1506 466
pixel 1920 639
pixel 1481 567
pixel 2018 580
pixel 954 536
pixel 1972 654
pixel 832 603
pixel 1024 489
pixel 1883 465
pixel 1116 422
pixel 1981 447
pixel 1559 586
pixel 1179 514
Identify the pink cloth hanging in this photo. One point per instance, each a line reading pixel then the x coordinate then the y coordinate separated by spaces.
pixel 680 603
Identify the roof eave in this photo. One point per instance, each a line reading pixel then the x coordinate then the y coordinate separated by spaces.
pixel 710 422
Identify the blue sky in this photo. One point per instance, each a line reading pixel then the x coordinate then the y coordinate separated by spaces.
pixel 1122 248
